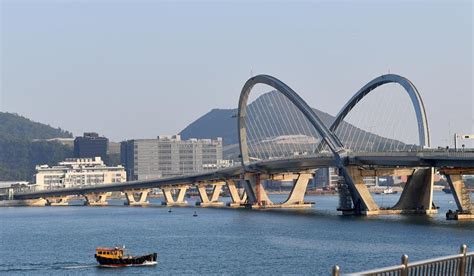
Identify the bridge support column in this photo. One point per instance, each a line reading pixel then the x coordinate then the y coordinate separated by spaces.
pixel 256 195
pixel 214 201
pixel 417 196
pixel 57 201
pixel 131 198
pixel 97 199
pixel 363 202
pixel 296 196
pixel 237 199
pixel 169 199
pixel 461 195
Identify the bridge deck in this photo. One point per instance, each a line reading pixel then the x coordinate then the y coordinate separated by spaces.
pixel 437 159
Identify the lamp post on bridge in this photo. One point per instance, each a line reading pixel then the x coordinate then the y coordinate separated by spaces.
pixel 455 141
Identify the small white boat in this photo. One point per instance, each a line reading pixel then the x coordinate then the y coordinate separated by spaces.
pixel 389 191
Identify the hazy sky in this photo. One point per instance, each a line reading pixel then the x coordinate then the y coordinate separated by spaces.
pixel 137 69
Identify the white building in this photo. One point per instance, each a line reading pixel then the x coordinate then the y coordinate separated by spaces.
pixel 78 172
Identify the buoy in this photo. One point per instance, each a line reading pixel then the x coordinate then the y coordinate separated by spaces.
pixel 169 210
pixel 195 214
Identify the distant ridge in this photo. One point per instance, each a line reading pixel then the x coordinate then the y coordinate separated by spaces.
pixel 16 126
pixel 215 123
pixel 223 123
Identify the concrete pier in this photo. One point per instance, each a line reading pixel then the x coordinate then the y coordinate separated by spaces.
pixel 170 200
pixel 215 194
pixel 137 197
pixel 364 203
pixel 57 201
pixel 238 199
pixel 96 199
pixel 461 196
pixel 296 196
pixel 417 196
pixel 257 197
pixel 459 216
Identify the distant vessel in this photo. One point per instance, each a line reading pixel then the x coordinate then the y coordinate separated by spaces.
pixel 447 190
pixel 386 191
pixel 389 191
pixel 115 257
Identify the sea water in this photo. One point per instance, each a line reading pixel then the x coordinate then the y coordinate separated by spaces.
pixel 62 240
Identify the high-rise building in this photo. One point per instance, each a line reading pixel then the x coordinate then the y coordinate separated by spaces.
pixel 170 156
pixel 91 145
pixel 78 172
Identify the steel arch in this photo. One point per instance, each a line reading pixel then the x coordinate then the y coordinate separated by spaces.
pixel 417 101
pixel 334 144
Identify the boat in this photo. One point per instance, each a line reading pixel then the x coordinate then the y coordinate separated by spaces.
pixel 447 190
pixel 115 257
pixel 386 191
pixel 389 191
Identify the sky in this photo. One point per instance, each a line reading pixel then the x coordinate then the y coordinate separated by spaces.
pixel 138 69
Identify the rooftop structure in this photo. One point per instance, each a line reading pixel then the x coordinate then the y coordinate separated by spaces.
pixel 91 145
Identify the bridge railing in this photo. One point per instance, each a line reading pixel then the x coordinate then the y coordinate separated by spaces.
pixel 427 154
pixel 460 264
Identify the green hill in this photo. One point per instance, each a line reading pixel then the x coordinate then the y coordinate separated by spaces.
pixel 15 126
pixel 19 154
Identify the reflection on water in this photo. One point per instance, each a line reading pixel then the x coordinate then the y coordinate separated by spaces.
pixel 62 240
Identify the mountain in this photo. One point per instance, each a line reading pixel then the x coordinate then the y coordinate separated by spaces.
pixel 16 126
pixel 223 123
pixel 215 123
pixel 20 153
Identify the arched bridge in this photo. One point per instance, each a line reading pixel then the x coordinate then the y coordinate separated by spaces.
pixel 282 138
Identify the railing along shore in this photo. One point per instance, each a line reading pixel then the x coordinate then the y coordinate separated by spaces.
pixel 461 264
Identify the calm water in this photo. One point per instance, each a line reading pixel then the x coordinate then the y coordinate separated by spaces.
pixel 62 240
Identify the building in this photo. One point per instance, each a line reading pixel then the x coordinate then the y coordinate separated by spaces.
pixel 78 172
pixel 326 177
pixel 170 156
pixel 8 188
pixel 91 145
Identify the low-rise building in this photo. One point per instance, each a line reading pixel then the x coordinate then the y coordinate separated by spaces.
pixel 7 188
pixel 78 172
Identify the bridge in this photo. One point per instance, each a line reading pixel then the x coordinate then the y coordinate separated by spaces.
pixel 282 138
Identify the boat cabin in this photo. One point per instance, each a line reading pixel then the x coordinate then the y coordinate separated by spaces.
pixel 111 253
